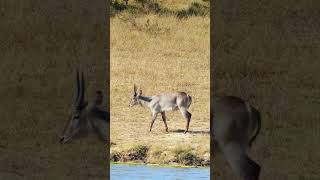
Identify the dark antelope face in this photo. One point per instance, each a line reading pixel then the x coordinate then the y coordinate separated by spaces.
pixel 135 97
pixel 77 119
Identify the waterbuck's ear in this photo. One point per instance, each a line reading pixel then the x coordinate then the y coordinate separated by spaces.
pixel 140 92
pixel 134 89
pixel 99 98
pixel 76 101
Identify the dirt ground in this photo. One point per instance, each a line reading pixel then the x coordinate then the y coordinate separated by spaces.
pixel 41 43
pixel 268 52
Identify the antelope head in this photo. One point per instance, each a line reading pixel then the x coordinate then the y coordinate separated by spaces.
pixel 135 96
pixel 77 123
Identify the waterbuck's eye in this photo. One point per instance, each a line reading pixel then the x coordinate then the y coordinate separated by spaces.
pixel 76 116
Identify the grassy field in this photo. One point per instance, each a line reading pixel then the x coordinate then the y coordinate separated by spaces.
pixel 41 42
pixel 160 53
pixel 268 52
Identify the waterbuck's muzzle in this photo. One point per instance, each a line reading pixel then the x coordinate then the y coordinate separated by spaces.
pixel 132 103
pixel 65 138
pixel 62 140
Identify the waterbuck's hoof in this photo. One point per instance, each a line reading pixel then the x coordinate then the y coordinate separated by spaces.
pixel 185 132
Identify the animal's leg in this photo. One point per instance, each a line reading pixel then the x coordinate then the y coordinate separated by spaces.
pixel 100 128
pixel 154 116
pixel 187 116
pixel 164 118
pixel 240 163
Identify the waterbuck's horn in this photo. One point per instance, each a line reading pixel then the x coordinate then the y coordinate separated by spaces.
pixel 82 89
pixel 134 89
pixel 78 88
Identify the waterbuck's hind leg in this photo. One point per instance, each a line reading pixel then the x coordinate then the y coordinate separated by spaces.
pixel 164 118
pixel 240 162
pixel 154 117
pixel 187 115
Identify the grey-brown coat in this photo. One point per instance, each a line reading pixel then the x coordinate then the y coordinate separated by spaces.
pixel 162 103
pixel 236 125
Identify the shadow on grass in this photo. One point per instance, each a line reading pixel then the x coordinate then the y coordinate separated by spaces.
pixel 190 131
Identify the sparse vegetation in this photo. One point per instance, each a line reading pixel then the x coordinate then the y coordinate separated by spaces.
pixel 186 156
pixel 138 153
pixel 175 155
pixel 195 8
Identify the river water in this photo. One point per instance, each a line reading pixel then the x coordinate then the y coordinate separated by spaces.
pixel 145 172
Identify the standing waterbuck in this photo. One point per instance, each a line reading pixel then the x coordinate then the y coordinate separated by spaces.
pixel 86 116
pixel 236 125
pixel 162 103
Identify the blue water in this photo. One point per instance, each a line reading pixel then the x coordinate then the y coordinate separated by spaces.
pixel 143 172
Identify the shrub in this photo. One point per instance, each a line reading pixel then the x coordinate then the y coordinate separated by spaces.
pixel 195 9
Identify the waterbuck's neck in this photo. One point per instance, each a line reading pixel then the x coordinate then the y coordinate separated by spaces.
pixel 145 100
pixel 97 112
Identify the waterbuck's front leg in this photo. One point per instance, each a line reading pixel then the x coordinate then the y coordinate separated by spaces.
pixel 154 117
pixel 164 118
pixel 187 116
pixel 240 162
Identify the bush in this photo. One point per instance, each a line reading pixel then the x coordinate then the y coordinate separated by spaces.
pixel 195 9
pixel 138 153
pixel 186 157
pixel 116 156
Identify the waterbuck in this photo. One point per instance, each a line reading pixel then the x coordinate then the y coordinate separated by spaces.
pixel 162 103
pixel 236 124
pixel 86 116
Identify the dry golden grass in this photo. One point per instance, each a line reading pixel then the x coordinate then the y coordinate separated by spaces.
pixel 167 55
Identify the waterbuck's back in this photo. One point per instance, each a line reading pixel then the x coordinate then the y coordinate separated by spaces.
pixel 172 101
pixel 235 126
pixel 231 120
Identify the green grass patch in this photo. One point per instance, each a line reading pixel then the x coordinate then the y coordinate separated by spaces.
pixel 152 6
pixel 180 156
pixel 187 157
pixel 138 7
pixel 138 152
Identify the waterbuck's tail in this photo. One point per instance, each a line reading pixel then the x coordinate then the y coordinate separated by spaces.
pixel 254 115
pixel 190 101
